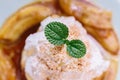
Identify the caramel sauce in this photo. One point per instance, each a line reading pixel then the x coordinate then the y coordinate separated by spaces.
pixel 14 51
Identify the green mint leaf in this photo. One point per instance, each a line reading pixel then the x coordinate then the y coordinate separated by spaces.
pixel 56 33
pixel 76 48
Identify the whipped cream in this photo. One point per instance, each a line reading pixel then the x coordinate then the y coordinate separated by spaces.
pixel 44 61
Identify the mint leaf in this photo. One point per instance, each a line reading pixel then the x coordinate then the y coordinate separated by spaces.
pixel 76 48
pixel 56 33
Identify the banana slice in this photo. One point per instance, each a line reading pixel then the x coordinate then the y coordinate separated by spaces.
pixel 105 37
pixel 25 18
pixel 7 72
pixel 96 20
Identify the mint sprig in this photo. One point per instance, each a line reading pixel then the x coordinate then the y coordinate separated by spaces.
pixel 57 33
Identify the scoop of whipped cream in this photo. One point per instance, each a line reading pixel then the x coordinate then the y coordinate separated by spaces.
pixel 44 61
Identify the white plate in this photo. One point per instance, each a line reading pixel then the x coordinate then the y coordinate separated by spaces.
pixel 7 7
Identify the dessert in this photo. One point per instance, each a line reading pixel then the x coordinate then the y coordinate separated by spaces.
pixel 14 57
